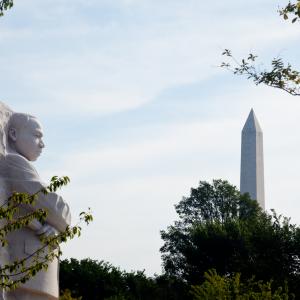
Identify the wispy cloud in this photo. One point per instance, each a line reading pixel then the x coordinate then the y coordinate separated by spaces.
pixel 137 111
pixel 126 62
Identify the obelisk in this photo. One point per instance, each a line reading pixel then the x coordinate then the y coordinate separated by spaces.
pixel 252 160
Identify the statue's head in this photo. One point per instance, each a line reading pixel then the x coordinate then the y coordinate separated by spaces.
pixel 25 135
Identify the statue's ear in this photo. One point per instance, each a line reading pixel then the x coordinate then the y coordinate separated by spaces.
pixel 12 134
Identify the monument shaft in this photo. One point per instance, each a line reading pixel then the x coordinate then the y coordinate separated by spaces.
pixel 252 160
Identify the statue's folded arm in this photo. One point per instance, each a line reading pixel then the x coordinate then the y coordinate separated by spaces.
pixel 22 177
pixel 58 211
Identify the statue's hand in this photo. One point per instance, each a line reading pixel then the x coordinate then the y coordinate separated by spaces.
pixel 47 230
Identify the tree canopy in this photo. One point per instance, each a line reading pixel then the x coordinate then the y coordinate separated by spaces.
pixel 230 288
pixel 220 228
pixel 99 280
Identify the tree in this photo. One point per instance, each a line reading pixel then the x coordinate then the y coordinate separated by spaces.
pixel 99 280
pixel 67 295
pixel 90 279
pixel 230 288
pixel 281 75
pixel 5 5
pixel 220 228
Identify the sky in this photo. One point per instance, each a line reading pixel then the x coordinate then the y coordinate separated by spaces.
pixel 136 110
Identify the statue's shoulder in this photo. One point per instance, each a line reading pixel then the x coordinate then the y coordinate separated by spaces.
pixel 17 159
pixel 17 165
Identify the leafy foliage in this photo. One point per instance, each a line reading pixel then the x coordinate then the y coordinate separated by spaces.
pixel 66 295
pixel 229 288
pixel 220 228
pixel 280 75
pixel 293 8
pixel 5 5
pixel 94 280
pixel 218 201
pixel 20 271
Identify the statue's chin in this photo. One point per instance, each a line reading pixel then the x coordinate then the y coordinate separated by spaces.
pixel 33 158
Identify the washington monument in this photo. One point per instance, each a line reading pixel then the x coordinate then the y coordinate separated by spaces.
pixel 252 160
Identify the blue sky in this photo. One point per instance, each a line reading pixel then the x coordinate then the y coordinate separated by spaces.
pixel 136 111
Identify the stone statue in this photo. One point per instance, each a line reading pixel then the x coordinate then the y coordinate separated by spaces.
pixel 21 142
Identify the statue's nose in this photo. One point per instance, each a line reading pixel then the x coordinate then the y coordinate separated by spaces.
pixel 42 145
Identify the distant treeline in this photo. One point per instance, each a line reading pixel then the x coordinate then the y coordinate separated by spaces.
pixel 99 280
pixel 93 280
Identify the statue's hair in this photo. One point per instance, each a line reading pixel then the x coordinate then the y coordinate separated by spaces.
pixel 18 120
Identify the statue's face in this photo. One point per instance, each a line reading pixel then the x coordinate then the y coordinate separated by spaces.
pixel 28 139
